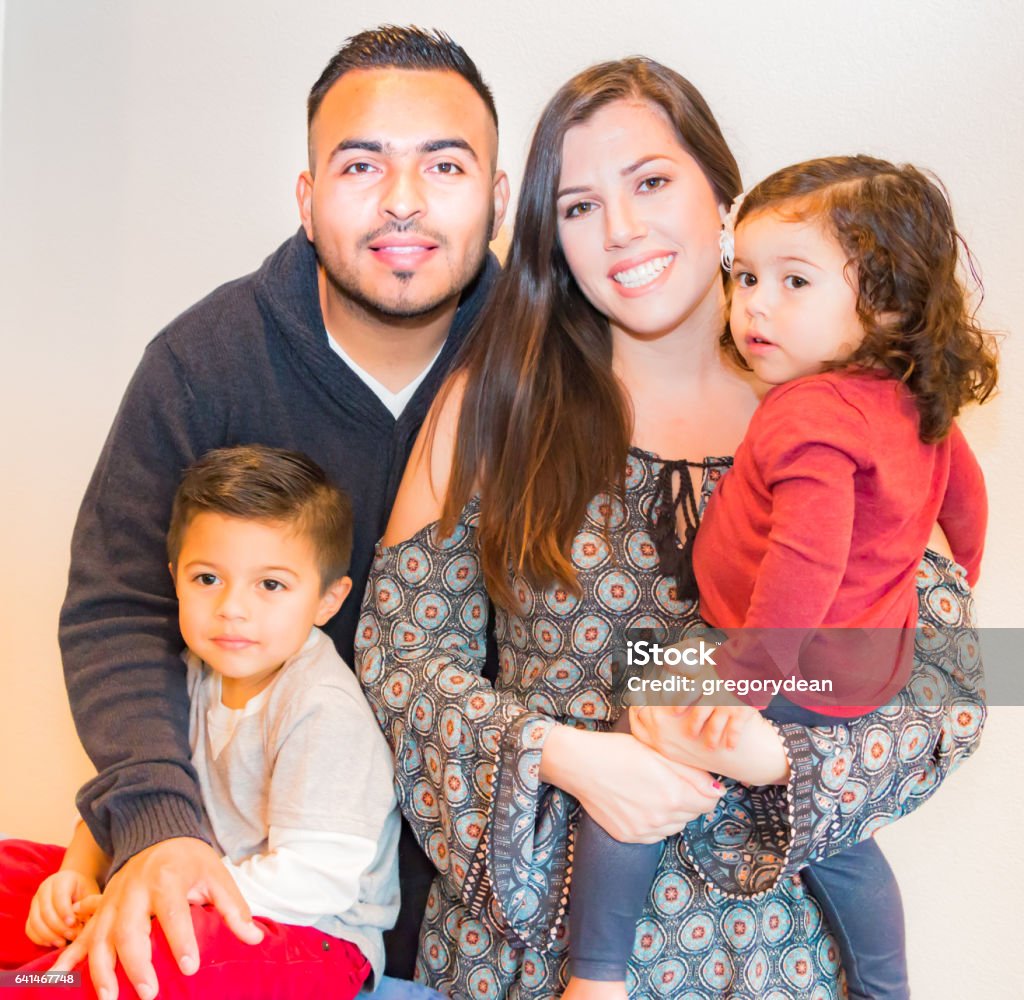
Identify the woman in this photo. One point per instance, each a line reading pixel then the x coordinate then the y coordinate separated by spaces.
pixel 555 470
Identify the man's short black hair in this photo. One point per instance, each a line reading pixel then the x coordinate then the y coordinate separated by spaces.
pixel 393 47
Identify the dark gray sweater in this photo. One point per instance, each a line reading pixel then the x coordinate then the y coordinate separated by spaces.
pixel 250 363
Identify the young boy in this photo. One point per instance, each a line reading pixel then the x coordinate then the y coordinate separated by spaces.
pixel 296 778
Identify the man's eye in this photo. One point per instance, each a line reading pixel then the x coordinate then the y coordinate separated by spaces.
pixel 447 167
pixel 359 168
pixel 578 209
pixel 206 579
pixel 794 281
pixel 272 585
pixel 745 279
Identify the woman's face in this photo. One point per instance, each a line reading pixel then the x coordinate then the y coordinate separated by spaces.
pixel 637 220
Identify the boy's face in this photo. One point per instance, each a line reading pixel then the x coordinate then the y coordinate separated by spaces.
pixel 248 594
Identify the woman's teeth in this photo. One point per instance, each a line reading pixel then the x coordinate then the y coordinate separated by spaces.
pixel 643 274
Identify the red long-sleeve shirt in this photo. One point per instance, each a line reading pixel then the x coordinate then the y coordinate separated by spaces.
pixel 828 508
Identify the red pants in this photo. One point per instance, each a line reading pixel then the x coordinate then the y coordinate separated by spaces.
pixel 289 962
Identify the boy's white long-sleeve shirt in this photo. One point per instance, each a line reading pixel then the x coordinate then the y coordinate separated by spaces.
pixel 298 796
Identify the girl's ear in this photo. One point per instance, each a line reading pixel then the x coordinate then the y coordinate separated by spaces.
pixel 332 599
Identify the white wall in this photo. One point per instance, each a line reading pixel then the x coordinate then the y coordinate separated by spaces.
pixel 149 152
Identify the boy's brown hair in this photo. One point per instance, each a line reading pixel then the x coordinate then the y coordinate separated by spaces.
pixel 896 227
pixel 258 483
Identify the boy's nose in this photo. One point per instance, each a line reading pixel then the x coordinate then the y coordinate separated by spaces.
pixel 232 605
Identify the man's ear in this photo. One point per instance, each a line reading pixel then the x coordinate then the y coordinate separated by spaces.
pixel 304 196
pixel 501 197
pixel 332 599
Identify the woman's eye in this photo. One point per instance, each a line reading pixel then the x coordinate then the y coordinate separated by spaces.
pixel 653 183
pixel 579 208
pixel 794 281
pixel 745 279
pixel 272 585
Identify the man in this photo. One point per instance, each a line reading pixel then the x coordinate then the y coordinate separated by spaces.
pixel 334 347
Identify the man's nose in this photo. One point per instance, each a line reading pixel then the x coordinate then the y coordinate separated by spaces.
pixel 403 197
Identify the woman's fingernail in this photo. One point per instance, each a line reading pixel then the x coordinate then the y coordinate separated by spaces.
pixel 145 991
pixel 717 786
pixel 188 965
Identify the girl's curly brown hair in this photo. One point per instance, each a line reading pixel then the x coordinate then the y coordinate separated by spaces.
pixel 896 227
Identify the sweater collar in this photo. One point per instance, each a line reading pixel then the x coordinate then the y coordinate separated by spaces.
pixel 288 293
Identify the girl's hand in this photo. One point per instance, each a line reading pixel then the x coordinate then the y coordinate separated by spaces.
pixel 52 920
pixel 637 795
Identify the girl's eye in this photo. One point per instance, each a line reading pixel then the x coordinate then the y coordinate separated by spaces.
pixel 653 183
pixel 579 208
pixel 272 585
pixel 206 579
pixel 745 279
pixel 794 281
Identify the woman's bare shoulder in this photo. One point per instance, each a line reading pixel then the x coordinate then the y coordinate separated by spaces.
pixel 425 481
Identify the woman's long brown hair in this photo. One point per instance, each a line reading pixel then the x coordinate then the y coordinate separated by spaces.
pixel 545 425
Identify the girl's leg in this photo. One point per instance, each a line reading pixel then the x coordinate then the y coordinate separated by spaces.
pixel 610 883
pixel 861 900
pixel 23 865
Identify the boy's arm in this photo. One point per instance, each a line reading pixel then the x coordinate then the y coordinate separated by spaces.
pixel 53 917
pixel 305 874
pixel 85 856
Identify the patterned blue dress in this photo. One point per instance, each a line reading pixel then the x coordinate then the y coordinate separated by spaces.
pixel 727 915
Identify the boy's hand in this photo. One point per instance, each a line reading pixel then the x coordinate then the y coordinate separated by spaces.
pixel 52 918
pixel 715 725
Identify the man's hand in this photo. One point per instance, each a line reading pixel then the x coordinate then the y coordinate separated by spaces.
pixel 53 919
pixel 160 881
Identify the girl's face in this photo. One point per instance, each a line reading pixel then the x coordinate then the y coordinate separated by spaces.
pixel 794 306
pixel 638 221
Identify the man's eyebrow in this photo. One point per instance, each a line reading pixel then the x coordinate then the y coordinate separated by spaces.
pixel 436 145
pixel 367 145
pixel 387 149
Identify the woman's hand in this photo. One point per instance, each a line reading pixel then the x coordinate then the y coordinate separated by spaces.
pixel 52 917
pixel 758 758
pixel 634 793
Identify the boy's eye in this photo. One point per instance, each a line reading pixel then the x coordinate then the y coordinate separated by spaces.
pixel 578 209
pixel 206 579
pixel 272 585
pixel 794 281
pixel 745 279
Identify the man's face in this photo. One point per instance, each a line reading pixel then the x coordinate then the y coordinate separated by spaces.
pixel 403 195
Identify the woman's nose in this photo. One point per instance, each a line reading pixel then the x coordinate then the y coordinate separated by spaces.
pixel 622 223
